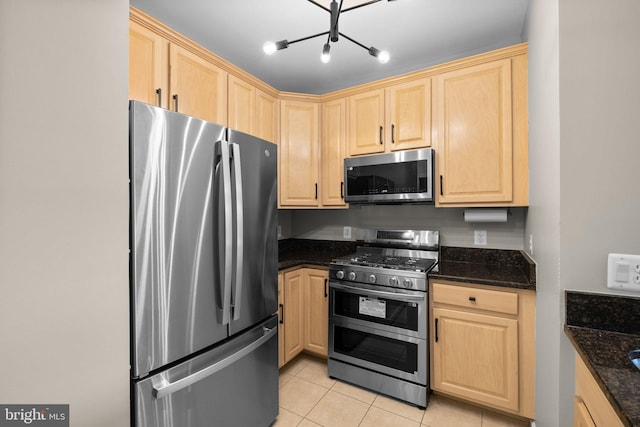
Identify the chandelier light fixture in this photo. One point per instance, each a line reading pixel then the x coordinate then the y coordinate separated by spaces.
pixel 333 34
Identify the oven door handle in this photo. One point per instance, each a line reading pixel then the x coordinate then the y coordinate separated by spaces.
pixel 394 295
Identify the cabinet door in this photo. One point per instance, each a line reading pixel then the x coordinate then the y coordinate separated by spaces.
pixel 293 310
pixel 148 66
pixel 299 154
pixel 473 128
pixel 408 115
pixel 280 320
pixel 581 416
pixel 366 123
pixel 333 152
pixel 316 316
pixel 198 88
pixel 476 357
pixel 266 121
pixel 241 105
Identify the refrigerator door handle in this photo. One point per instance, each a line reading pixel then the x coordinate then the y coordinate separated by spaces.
pixel 223 147
pixel 167 388
pixel 239 238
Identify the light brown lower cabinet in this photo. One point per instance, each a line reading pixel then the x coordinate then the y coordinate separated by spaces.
pixel 303 298
pixel 590 406
pixel 482 345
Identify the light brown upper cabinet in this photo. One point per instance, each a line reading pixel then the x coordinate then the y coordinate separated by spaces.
pixel 266 117
pixel 168 75
pixel 197 87
pixel 251 110
pixel 480 136
pixel 408 115
pixel 333 141
pixel 148 66
pixel 397 117
pixel 298 150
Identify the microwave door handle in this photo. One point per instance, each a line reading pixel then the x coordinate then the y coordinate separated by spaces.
pixel 239 238
pixel 166 388
pixel 223 148
pixel 391 295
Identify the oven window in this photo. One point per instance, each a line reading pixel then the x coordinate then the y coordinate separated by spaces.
pixel 396 313
pixel 376 349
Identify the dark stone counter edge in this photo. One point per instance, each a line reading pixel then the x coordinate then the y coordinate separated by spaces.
pixel 292 263
pixel 603 386
pixel 490 282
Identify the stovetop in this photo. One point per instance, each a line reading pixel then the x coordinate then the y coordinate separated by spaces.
pixel 390 262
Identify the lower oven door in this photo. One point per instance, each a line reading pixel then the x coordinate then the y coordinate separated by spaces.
pixel 388 353
pixel 387 309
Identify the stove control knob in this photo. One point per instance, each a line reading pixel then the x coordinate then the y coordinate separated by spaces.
pixel 352 275
pixel 393 281
pixel 407 283
pixel 372 278
pixel 340 274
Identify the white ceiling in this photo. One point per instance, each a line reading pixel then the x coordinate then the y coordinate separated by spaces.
pixel 417 34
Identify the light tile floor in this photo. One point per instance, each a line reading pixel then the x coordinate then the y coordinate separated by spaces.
pixel 308 397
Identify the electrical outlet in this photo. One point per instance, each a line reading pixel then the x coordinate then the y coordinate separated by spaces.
pixel 480 237
pixel 279 231
pixel 346 232
pixel 623 272
pixel 530 244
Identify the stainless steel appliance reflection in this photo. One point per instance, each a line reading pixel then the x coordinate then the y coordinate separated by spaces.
pixel 203 273
pixel 378 310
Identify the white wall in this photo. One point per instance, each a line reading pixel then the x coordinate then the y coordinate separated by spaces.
pixel 328 224
pixel 64 207
pixel 583 143
pixel 543 219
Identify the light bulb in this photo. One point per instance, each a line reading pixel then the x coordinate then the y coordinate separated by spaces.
pixel 269 48
pixel 326 56
pixel 383 57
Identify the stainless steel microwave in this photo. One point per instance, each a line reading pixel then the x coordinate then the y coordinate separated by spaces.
pixel 399 177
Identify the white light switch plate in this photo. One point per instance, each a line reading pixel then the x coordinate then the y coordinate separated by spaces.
pixel 480 237
pixel 623 272
pixel 346 232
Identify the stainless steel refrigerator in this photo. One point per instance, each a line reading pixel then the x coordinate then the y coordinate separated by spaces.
pixel 203 273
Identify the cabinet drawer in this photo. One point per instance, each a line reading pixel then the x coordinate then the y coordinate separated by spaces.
pixel 481 299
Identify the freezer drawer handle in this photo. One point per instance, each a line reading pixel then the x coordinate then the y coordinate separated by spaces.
pixel 168 388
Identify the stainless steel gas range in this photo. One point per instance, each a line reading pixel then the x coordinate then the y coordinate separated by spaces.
pixel 378 310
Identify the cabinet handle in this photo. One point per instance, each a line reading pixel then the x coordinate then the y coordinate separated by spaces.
pixel 393 137
pixel 342 190
pixel 175 101
pixel 436 329
pixel 472 299
pixel 381 135
pixel 326 293
pixel 159 93
pixel 281 313
pixel 441 185
pixel 316 191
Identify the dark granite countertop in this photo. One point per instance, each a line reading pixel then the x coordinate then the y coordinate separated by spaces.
pixel 497 267
pixel 603 330
pixel 296 252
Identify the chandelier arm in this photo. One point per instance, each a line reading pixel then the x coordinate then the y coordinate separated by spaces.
pixel 309 37
pixel 354 41
pixel 360 5
pixel 321 6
